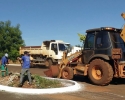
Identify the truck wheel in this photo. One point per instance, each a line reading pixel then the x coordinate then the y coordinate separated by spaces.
pixel 100 72
pixel 48 63
pixel 67 73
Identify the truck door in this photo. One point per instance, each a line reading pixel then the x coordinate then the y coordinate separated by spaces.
pixel 103 43
pixel 53 52
pixel 88 50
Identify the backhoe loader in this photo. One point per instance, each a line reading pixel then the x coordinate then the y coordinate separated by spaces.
pixel 102 58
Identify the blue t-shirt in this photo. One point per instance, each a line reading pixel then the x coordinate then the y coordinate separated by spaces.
pixel 4 61
pixel 26 62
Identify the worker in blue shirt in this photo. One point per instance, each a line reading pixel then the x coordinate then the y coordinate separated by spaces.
pixel 25 68
pixel 4 61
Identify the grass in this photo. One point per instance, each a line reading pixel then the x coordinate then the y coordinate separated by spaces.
pixel 46 83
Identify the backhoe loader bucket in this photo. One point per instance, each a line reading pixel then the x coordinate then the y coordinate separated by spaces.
pixel 53 71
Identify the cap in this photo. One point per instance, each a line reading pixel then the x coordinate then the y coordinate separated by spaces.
pixel 26 52
pixel 6 55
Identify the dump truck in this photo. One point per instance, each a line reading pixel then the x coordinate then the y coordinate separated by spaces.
pixel 101 60
pixel 49 53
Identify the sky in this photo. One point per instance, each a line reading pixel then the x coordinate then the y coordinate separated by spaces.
pixel 42 20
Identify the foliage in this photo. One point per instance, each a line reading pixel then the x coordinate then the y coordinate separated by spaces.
pixel 46 83
pixel 81 37
pixel 10 39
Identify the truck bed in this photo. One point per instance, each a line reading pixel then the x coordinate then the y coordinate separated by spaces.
pixel 32 49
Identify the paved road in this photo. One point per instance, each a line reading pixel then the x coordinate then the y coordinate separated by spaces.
pixel 87 92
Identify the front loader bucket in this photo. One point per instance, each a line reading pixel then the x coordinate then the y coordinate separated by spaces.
pixel 53 71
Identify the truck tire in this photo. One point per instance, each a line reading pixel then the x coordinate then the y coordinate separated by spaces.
pixel 67 73
pixel 48 63
pixel 100 72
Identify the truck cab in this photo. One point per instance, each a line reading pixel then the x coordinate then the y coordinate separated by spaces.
pixel 100 42
pixel 54 49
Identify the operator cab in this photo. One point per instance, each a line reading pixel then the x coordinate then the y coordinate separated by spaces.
pixel 101 41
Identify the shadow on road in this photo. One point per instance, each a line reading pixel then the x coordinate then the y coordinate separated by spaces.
pixel 118 81
pixel 115 81
pixel 81 78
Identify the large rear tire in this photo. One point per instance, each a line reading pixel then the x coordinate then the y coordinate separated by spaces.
pixel 100 72
pixel 67 73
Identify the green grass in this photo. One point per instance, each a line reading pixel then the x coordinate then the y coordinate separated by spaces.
pixel 41 82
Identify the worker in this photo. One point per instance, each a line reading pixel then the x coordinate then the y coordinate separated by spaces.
pixel 4 62
pixel 25 68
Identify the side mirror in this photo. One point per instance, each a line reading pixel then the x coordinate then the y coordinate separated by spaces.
pixel 69 49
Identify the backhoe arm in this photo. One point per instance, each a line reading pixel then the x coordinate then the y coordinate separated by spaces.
pixel 123 15
pixel 123 30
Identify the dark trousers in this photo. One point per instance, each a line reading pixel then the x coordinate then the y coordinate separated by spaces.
pixel 23 71
pixel 4 70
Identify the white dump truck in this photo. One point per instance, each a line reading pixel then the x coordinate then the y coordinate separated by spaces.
pixel 50 52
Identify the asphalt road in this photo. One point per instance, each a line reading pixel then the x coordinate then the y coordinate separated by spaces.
pixel 114 91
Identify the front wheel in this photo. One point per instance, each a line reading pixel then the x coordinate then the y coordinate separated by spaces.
pixel 67 73
pixel 100 72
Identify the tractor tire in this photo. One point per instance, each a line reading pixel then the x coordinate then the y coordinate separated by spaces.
pixel 67 73
pixel 48 63
pixel 100 72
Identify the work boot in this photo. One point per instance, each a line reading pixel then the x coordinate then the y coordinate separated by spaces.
pixel 29 83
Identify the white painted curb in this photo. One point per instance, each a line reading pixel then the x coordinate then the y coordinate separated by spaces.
pixel 72 87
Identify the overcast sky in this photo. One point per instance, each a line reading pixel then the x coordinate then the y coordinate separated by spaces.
pixel 60 19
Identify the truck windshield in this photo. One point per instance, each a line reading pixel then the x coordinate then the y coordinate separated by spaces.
pixel 62 47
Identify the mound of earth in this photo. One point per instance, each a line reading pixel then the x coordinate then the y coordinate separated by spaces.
pixel 13 81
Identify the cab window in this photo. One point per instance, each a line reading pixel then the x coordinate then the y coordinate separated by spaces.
pixel 53 46
pixel 89 42
pixel 102 40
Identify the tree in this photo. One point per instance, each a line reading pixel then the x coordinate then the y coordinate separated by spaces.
pixel 81 37
pixel 10 39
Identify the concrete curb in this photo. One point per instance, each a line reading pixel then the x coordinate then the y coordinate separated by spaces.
pixel 71 86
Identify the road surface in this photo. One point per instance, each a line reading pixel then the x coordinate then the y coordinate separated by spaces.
pixel 114 91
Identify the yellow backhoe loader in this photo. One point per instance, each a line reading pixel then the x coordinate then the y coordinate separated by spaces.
pixel 102 58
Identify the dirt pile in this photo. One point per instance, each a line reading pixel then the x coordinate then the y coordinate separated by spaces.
pixel 13 81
